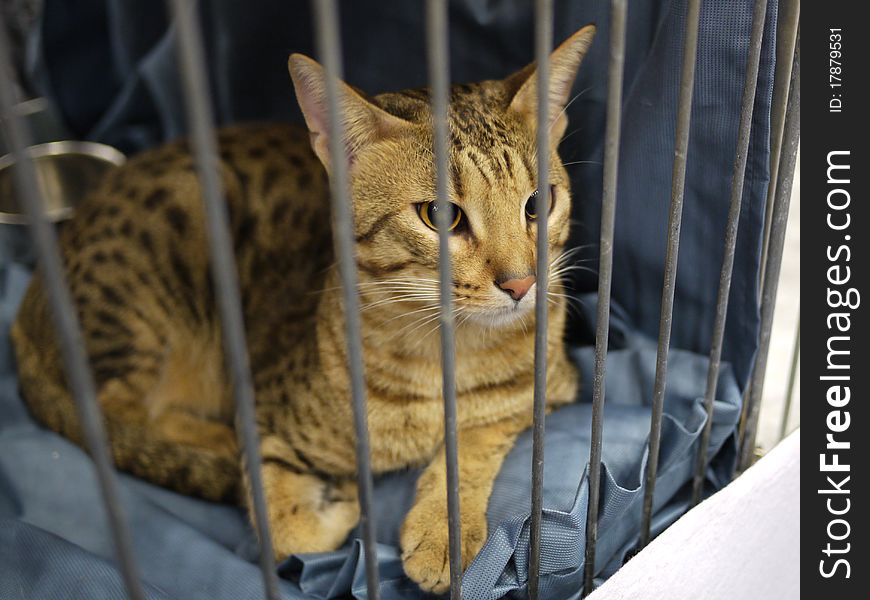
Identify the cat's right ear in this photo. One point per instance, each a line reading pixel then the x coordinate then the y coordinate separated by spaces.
pixel 363 122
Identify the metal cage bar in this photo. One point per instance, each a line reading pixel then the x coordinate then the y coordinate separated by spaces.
pixel 543 47
pixel 684 116
pixel 438 58
pixel 329 50
pixel 753 60
pixel 787 21
pixel 782 201
pixel 66 321
pixel 788 18
pixel 223 268
pixel 618 15
pixel 792 377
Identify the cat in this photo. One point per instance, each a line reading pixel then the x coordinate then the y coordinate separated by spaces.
pixel 137 262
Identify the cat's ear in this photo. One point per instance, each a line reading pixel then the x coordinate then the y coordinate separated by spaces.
pixel 363 122
pixel 564 62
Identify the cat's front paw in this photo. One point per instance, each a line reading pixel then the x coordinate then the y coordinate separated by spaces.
pixel 312 516
pixel 425 545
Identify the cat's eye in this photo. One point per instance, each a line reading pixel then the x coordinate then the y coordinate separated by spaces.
pixel 532 204
pixel 428 212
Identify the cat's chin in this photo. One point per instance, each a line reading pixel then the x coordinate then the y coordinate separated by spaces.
pixel 516 315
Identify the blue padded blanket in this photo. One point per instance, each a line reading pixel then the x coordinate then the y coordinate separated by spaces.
pixel 109 66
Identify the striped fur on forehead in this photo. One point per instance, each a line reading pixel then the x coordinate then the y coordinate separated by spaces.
pixel 478 113
pixel 484 135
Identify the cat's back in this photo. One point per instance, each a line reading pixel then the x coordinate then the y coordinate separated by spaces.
pixel 268 172
pixel 150 210
pixel 137 258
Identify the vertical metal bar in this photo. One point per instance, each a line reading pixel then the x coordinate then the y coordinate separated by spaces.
pixel 223 267
pixel 737 178
pixel 792 377
pixel 618 12
pixel 329 51
pixel 786 38
pixel 543 47
pixel 70 341
pixel 788 16
pixel 744 402
pixel 788 158
pixel 438 58
pixel 684 114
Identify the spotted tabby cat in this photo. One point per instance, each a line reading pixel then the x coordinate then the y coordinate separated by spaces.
pixel 138 265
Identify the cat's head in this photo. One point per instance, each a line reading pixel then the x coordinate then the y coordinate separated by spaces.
pixel 493 166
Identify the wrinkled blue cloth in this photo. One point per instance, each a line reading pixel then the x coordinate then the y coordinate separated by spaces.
pixel 109 65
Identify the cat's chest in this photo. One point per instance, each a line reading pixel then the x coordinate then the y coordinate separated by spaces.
pixel 404 435
pixel 408 429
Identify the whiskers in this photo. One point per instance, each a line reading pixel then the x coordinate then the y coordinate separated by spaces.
pixel 425 326
pixel 415 299
pixel 566 262
pixel 565 108
pixel 582 162
pixel 399 291
pixel 561 266
pixel 409 307
pixel 420 290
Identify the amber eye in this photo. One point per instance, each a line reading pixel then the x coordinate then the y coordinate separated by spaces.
pixel 428 212
pixel 532 205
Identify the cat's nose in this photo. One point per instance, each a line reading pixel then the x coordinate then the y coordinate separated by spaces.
pixel 517 288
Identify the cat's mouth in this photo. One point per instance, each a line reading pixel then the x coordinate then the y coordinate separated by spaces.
pixel 508 312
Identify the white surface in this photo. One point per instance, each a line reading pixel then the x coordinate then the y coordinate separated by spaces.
pixel 782 338
pixel 740 544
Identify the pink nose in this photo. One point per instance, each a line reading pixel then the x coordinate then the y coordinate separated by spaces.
pixel 517 288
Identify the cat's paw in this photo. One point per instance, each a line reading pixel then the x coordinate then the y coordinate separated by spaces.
pixel 316 521
pixel 425 545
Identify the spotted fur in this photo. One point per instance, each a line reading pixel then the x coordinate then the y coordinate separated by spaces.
pixel 137 263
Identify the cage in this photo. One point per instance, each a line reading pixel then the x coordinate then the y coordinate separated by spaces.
pixel 693 109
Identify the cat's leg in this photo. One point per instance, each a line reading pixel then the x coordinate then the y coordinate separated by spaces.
pixel 162 425
pixel 164 402
pixel 176 449
pixel 185 452
pixel 424 539
pixel 150 434
pixel 308 510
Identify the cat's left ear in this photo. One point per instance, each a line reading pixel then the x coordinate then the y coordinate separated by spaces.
pixel 564 62
pixel 364 123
